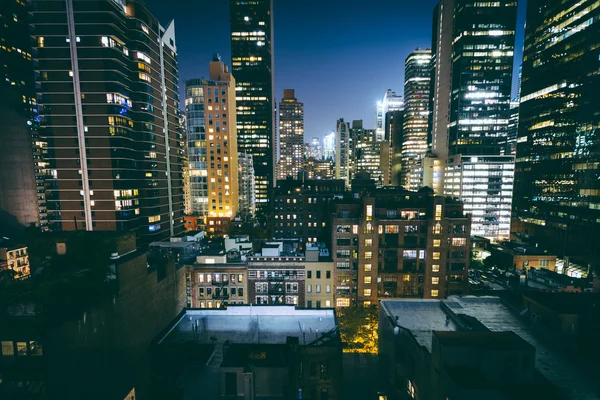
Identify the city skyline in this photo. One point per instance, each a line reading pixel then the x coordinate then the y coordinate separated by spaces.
pixel 387 25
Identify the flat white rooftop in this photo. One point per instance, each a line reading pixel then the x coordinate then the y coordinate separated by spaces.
pixel 252 324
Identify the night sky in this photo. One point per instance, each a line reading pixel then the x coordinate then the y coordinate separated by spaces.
pixel 339 55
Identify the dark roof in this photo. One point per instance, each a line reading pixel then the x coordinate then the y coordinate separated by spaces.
pixel 566 303
pixel 484 340
pixel 259 355
pixel 270 246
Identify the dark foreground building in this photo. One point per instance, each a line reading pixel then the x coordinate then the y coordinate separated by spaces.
pixel 245 352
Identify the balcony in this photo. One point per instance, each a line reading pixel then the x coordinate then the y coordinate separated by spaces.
pixel 220 296
pixel 222 283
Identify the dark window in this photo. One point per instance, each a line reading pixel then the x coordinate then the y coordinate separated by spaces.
pixel 318 274
pixel 313 369
pixel 309 274
pixel 309 304
pixel 230 384
pixel 328 274
pixel 324 394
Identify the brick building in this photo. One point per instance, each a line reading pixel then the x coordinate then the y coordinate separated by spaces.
pixel 302 208
pixel 276 280
pixel 391 242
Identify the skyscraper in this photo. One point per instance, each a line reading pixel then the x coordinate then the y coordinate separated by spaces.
pixel 212 142
pixel 108 101
pixel 252 67
pixel 329 146
pixel 246 185
pixel 557 190
pixel 417 82
pixel 18 194
pixel 291 135
pixel 473 45
pixel 342 151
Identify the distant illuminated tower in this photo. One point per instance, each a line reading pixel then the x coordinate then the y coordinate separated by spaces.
pixel 329 146
pixel 246 186
pixel 291 135
pixel 314 149
pixel 417 79
pixel 342 151
pixel 379 129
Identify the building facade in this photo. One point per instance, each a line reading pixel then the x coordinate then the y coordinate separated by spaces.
pixel 276 280
pixel 484 184
pixel 21 178
pixel 216 285
pixel 246 184
pixel 115 153
pixel 417 82
pixel 291 135
pixel 252 66
pixel 557 191
pixel 319 284
pixel 395 243
pixel 302 208
pixel 342 151
pixel 473 52
pixel 319 168
pixel 16 258
pixel 214 150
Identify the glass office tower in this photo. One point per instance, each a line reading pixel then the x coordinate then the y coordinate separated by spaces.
pixel 557 190
pixel 252 68
pixel 417 83
pixel 473 49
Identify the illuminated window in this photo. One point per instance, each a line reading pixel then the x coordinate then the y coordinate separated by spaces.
pixel 459 241
pixel 368 242
pixel 435 280
pixel 368 267
pixel 144 77
pixel 367 279
pixel 436 255
pixel 435 268
pixel 438 212
pixel 368 255
pixel 406 278
pixel 434 293
pixel 437 242
pixel 367 292
pixel 369 212
pixel 437 229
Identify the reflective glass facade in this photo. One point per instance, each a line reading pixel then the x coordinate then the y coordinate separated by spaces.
pixel 417 83
pixel 196 135
pixel 252 66
pixel 557 192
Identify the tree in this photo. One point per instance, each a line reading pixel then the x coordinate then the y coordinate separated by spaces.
pixel 358 328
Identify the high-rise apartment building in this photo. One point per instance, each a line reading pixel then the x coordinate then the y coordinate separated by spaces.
pixel 557 191
pixel 20 196
pixel 391 102
pixel 472 53
pixel 342 151
pixel 291 135
pixel 212 142
pixel 390 242
pixel 379 120
pixel 108 101
pixel 246 184
pixel 252 67
pixel 417 82
pixel 392 170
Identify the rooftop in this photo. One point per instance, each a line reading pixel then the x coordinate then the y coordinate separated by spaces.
pixel 484 340
pixel 422 317
pixel 251 324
